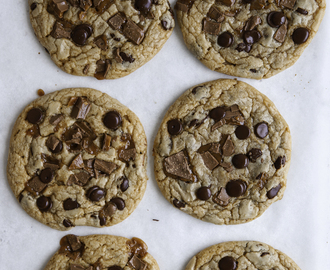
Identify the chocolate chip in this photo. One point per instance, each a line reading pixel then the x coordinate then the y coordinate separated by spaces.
pixel 227 263
pixel 302 11
pixel 178 204
pixel 165 25
pixel 254 154
pixel 273 192
pixel 174 127
pixel 252 23
pixel 117 21
pixel 110 209
pixel 33 6
pixel 211 27
pixel 124 184
pixel 215 14
pixel 54 144
pixel 101 42
pixel 261 130
pixel 126 58
pixel 217 113
pixel 280 162
pixel 67 223
pixel 221 197
pixel 56 119
pixel 81 33
pixel 236 188
pixel 225 40
pixel 46 175
pixel 276 18
pixel 136 263
pixel 119 202
pixel 143 6
pixel 95 193
pixel 61 30
pixel 106 167
pixel 243 47
pixel 44 203
pixel 112 120
pixel 133 32
pixel 34 116
pixel 81 108
pixel 115 267
pixel 177 165
pixel 70 204
pixel 203 193
pixel 240 161
pixel 242 132
pixel 300 35
pixel 251 37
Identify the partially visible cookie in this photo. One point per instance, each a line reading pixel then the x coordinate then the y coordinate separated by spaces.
pixel 107 39
pixel 96 252
pixel 77 157
pixel 241 255
pixel 222 152
pixel 249 38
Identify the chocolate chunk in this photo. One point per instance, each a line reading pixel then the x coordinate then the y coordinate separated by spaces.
pixel 225 40
pixel 127 154
pixel 74 3
pixel 86 68
pixel 81 108
pixel 183 5
pixel 44 203
pixel 35 186
pixel 236 188
pixel 178 204
pixel 77 163
pixel 228 263
pixel 136 263
pixel 262 177
pixel 227 166
pixel 243 47
pixel 203 193
pixel 288 3
pixel 76 267
pixel 211 27
pixel 82 178
pixel 117 56
pixel 56 119
pixel 257 4
pixel 215 148
pixel 101 42
pixel 95 193
pixel 226 2
pixel 218 124
pixel 85 129
pixel 174 127
pixel 280 33
pixel 251 37
pixel 70 204
pixel 54 144
pixel 102 5
pixel 81 33
pixel 242 132
pixel 273 192
pixel 280 162
pixel 177 165
pixel 234 116
pixel 74 242
pixel 261 130
pixel 60 31
pixel 102 69
pixel 252 23
pixel 217 113
pixel 126 58
pixel 116 21
pixel 209 161
pixel 119 202
pixel 215 14
pixel 253 70
pixel 276 19
pixel 59 7
pixel 110 209
pixel 165 25
pixel 112 120
pixel 115 267
pixel 143 6
pixel 221 197
pixel 240 161
pixel 133 32
pixel 46 175
pixel 124 184
pixel 302 11
pixel 67 223
pixel 90 146
pixel 85 4
pixel 300 35
pixel 52 166
pixel 34 116
pixel 228 147
pixel 33 6
pixel 104 166
pixel 34 131
pixel 106 142
pixel 254 154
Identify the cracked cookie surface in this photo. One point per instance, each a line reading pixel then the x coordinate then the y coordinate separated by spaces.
pixel 98 252
pixel 222 153
pixel 241 255
pixel 107 39
pixel 77 157
pixel 249 38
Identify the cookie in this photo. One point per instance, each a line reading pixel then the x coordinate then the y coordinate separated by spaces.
pixel 222 153
pixel 77 157
pixel 249 38
pixel 96 252
pixel 107 39
pixel 241 255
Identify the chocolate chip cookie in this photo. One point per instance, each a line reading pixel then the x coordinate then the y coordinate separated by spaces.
pixel 96 252
pixel 222 152
pixel 106 39
pixel 241 255
pixel 249 38
pixel 77 157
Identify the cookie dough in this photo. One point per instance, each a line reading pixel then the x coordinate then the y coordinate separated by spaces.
pixel 96 252
pixel 77 157
pixel 241 255
pixel 222 153
pixel 107 39
pixel 249 38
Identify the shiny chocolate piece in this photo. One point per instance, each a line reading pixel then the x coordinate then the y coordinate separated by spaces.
pixel 215 14
pixel 174 127
pixel 252 23
pixel 137 247
pixel 85 4
pixel 106 167
pixel 80 178
pixel 81 108
pixel 34 116
pixel 67 223
pixel 257 4
pixel 56 119
pixel 178 204
pixel 119 202
pixel 106 142
pixel 133 32
pixel 226 2
pixel 240 161
pixel 124 184
pixel 242 132
pixel 254 154
pixel 102 5
pixel 300 35
pixel 95 193
pixel 127 154
pixel 209 160
pixel 227 263
pixel 34 131
pixel 136 263
pixel 59 7
pixel 273 192
pixel 117 21
pixel 276 19
pixel 70 204
pixel 110 209
pixel 228 147
pixel 203 193
pixel 242 47
pixel 81 33
pixel 280 162
pixel 101 42
pixel 143 6
pixel 280 33
pixel 126 58
pixel 77 163
pixel 115 267
pixel 221 197
pixel 61 31
pixel 177 165
pixel 184 5
pixel 33 6
pixel 74 242
pixel 217 113
pixel 302 11
pixel 44 203
pixel 288 3
pixel 251 37
pixel 102 69
pixel 261 130
pixel 112 120
pixel 225 40
pixel 35 186
pixel 46 175
pixel 54 144
pixel 211 27
pixel 236 188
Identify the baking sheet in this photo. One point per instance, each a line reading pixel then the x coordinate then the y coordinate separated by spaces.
pixel 298 225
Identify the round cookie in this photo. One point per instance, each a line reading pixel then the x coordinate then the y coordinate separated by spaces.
pixel 249 38
pixel 77 157
pixel 241 255
pixel 222 153
pixel 96 252
pixel 107 39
